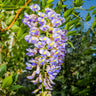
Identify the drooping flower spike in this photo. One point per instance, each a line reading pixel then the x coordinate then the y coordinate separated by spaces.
pixel 49 47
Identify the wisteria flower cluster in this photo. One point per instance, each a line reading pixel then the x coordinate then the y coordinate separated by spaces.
pixel 49 46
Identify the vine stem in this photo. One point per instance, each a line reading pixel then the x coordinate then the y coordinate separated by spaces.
pixel 18 12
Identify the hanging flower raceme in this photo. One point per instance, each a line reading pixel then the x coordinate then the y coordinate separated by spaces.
pixel 49 46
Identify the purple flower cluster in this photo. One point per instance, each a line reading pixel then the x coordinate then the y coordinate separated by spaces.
pixel 49 42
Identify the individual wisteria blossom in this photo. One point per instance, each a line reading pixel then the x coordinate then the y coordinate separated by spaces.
pixel 43 15
pixel 56 22
pixel 62 19
pixel 41 21
pixel 51 44
pixel 44 27
pixel 44 52
pixel 49 47
pixel 57 30
pixel 34 7
pixel 48 10
pixel 34 31
pixel 31 52
pixel 40 44
pixel 51 15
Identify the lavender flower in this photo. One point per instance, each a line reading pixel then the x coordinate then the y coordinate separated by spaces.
pixel 56 37
pixel 33 39
pixel 40 78
pixel 42 60
pixel 32 76
pixel 38 69
pixel 51 15
pixel 44 39
pixel 40 44
pixel 44 52
pixel 34 7
pixel 56 22
pixel 41 21
pixel 57 30
pixel 61 19
pixel 44 27
pixel 48 10
pixel 42 14
pixel 29 66
pixel 31 52
pixel 34 31
pixel 51 44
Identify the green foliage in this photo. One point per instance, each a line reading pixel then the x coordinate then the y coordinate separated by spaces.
pixel 49 1
pixel 43 3
pixel 71 44
pixel 15 87
pixel 3 68
pixel 88 17
pixel 68 12
pixel 91 8
pixel 72 33
pixel 94 12
pixel 9 19
pixel 7 82
pixel 71 24
pixel 78 3
pixel 94 24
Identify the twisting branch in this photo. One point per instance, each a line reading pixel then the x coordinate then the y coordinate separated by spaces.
pixel 18 12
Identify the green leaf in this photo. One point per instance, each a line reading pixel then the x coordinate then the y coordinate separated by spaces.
pixel 66 26
pixel 91 8
pixel 94 12
pixel 49 1
pixel 84 92
pixel 73 21
pixel 70 32
pixel 59 3
pixel 22 37
pixel 19 33
pixel 71 44
pixel 63 6
pixel 78 25
pixel 9 19
pixel 71 27
pixel 66 20
pixel 94 24
pixel 2 15
pixel 90 51
pixel 15 77
pixel 71 24
pixel 2 43
pixel 7 81
pixel 15 87
pixel 2 69
pixel 78 3
pixel 43 3
pixel 15 27
pixel 88 17
pixel 68 12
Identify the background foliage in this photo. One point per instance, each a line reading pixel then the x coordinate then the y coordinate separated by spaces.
pixel 78 73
